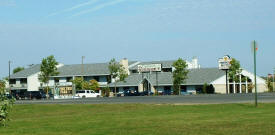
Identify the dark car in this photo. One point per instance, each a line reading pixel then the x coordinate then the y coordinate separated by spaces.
pixel 145 93
pixel 34 95
pixel 9 96
pixel 130 93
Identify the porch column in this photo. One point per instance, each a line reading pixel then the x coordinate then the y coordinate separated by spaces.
pixel 246 85
pixel 240 83
pixel 234 87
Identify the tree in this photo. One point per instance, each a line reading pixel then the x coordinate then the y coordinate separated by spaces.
pixel 48 68
pixel 5 104
pixel 234 70
pixel 78 82
pixel 94 85
pixel 269 84
pixel 179 74
pixel 117 72
pixel 204 88
pixel 18 69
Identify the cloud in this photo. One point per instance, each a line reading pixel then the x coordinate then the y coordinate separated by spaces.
pixel 98 7
pixel 73 8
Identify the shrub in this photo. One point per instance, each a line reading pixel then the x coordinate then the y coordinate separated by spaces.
pixel 5 105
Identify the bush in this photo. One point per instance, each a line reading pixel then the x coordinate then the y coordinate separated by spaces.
pixel 105 91
pixel 208 89
pixel 5 105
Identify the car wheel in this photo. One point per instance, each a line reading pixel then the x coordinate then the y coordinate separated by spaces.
pixel 97 96
pixel 83 96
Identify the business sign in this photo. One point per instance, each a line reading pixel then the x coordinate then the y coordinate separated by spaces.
pixel 224 63
pixel 149 68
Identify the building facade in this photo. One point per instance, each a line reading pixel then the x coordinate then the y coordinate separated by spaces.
pixel 160 82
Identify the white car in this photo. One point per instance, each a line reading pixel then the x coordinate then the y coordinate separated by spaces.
pixel 87 93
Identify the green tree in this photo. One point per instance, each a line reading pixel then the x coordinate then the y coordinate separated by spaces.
pixel 105 91
pixel 5 104
pixel 269 84
pixel 86 85
pixel 18 69
pixel 48 68
pixel 204 88
pixel 81 84
pixel 78 82
pixel 117 72
pixel 179 74
pixel 94 85
pixel 234 70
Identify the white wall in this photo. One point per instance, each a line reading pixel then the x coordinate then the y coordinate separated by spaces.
pixel 33 82
pixel 260 81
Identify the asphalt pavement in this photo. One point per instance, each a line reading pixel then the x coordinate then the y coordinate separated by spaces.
pixel 186 99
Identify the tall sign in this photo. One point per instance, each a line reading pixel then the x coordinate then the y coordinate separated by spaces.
pixel 224 64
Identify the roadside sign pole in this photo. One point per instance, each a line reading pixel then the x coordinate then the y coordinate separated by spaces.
pixel 226 83
pixel 255 70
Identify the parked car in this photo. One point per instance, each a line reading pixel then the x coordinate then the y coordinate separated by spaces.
pixel 8 96
pixel 34 95
pixel 87 94
pixel 145 93
pixel 131 93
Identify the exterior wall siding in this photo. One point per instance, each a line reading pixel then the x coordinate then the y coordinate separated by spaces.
pixel 33 82
pixel 220 88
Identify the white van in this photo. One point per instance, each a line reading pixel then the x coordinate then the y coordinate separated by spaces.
pixel 86 94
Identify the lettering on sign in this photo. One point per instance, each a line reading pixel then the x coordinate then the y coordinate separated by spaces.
pixel 149 68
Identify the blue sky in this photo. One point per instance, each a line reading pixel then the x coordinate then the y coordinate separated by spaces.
pixel 142 30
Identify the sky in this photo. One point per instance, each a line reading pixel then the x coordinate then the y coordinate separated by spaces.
pixel 143 30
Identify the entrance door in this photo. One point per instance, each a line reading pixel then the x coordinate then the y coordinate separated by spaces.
pixel 146 87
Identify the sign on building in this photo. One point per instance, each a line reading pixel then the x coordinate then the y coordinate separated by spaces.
pixel 149 68
pixel 224 63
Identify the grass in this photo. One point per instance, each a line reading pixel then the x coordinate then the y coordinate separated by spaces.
pixel 141 119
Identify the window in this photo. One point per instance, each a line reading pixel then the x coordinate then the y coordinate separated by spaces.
pixel 80 91
pixel 12 81
pixel 56 80
pixel 87 91
pixel 96 78
pixel 167 70
pixel 134 71
pixel 68 79
pixel 23 81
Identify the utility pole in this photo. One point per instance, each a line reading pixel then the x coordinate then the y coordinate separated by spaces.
pixel 273 79
pixel 9 77
pixel 255 72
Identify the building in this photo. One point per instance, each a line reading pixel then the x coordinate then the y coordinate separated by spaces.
pixel 156 82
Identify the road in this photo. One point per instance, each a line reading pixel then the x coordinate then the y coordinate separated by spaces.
pixel 188 99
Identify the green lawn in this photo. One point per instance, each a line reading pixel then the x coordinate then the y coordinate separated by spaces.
pixel 141 119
